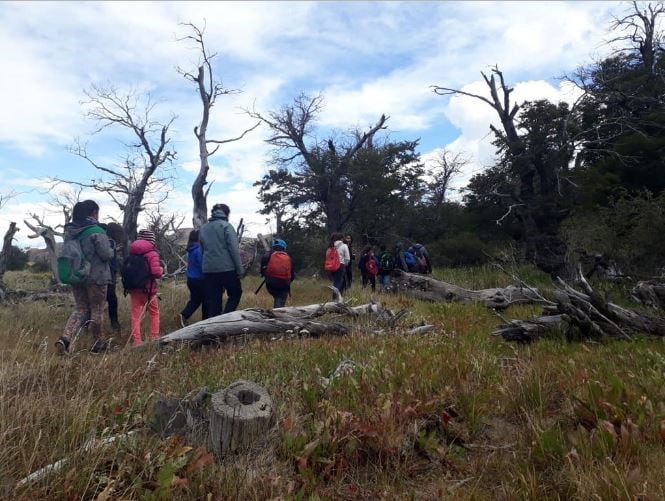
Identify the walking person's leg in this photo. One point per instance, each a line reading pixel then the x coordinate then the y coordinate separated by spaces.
pixel 153 311
pixel 349 276
pixel 76 320
pixel 112 300
pixel 195 298
pixel 213 289
pixel 372 281
pixel 138 300
pixel 233 288
pixel 339 279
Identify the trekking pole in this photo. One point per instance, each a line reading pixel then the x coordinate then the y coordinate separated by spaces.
pixel 259 287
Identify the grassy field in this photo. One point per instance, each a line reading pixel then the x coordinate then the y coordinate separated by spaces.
pixel 453 414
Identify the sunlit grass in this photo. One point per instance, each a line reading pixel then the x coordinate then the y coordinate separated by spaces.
pixel 451 414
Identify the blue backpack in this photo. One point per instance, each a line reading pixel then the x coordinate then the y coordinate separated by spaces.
pixel 410 259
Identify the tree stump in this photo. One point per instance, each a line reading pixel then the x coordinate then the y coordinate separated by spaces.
pixel 239 416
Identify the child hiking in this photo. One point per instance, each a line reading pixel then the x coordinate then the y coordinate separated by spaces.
pixel 386 267
pixel 84 264
pixel 141 270
pixel 277 269
pixel 369 267
pixel 194 279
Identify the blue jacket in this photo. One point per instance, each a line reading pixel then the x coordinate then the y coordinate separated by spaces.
pixel 194 262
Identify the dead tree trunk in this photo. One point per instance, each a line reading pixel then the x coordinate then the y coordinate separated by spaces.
pixel 254 323
pixel 4 253
pixel 650 293
pixel 48 234
pixel 588 313
pixel 430 289
pixel 209 89
pixel 239 416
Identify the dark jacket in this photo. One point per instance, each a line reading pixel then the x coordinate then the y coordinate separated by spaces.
pixel 97 250
pixel 219 243
pixel 194 262
pixel 362 263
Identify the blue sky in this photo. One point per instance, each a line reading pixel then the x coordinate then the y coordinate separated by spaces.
pixel 366 58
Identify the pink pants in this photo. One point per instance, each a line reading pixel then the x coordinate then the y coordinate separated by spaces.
pixel 140 303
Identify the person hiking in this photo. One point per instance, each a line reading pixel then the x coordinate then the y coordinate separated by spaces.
pixel 386 267
pixel 348 240
pixel 369 267
pixel 422 256
pixel 337 259
pixel 400 257
pixel 94 253
pixel 277 268
pixel 144 297
pixel 118 241
pixel 222 268
pixel 194 279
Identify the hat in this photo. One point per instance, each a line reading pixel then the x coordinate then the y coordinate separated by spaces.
pixel 279 243
pixel 146 235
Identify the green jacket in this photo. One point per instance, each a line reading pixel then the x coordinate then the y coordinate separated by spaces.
pixel 219 243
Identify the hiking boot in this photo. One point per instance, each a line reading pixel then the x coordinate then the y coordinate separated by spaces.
pixel 62 345
pixel 101 346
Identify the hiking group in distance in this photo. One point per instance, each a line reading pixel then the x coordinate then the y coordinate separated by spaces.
pixel 90 262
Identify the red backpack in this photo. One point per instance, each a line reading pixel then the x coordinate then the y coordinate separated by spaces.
pixel 332 263
pixel 279 266
pixel 371 267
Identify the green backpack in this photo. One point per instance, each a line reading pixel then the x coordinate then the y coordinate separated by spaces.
pixel 73 265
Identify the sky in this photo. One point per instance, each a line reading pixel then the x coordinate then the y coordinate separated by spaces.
pixel 365 58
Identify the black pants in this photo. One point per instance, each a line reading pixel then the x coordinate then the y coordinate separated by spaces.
pixel 367 278
pixel 196 297
pixel 112 300
pixel 279 290
pixel 349 275
pixel 214 286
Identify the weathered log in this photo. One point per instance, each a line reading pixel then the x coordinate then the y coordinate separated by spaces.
pixel 430 289
pixel 650 293
pixel 262 323
pixel 240 415
pixel 588 312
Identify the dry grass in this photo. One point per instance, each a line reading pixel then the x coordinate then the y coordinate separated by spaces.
pixel 454 414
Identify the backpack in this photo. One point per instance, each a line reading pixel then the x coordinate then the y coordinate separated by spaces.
pixel 371 267
pixel 73 265
pixel 410 259
pixel 332 263
pixel 135 273
pixel 386 262
pixel 279 266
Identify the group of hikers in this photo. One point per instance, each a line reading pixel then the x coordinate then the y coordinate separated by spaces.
pixel 372 264
pixel 90 262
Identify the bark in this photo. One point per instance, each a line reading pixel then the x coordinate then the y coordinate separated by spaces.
pixel 48 234
pixel 430 289
pixel 6 246
pixel 239 417
pixel 589 313
pixel 263 324
pixel 650 293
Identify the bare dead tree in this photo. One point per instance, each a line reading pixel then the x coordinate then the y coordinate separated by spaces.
pixel 6 241
pixel 447 166
pixel 641 28
pixel 63 202
pixel 289 128
pixel 209 88
pixel 536 211
pixel 142 171
pixel 42 230
pixel 167 236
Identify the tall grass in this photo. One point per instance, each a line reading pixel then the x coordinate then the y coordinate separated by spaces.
pixel 452 414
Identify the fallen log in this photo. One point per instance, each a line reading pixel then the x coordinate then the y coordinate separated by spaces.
pixel 588 312
pixel 429 289
pixel 262 323
pixel 650 293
